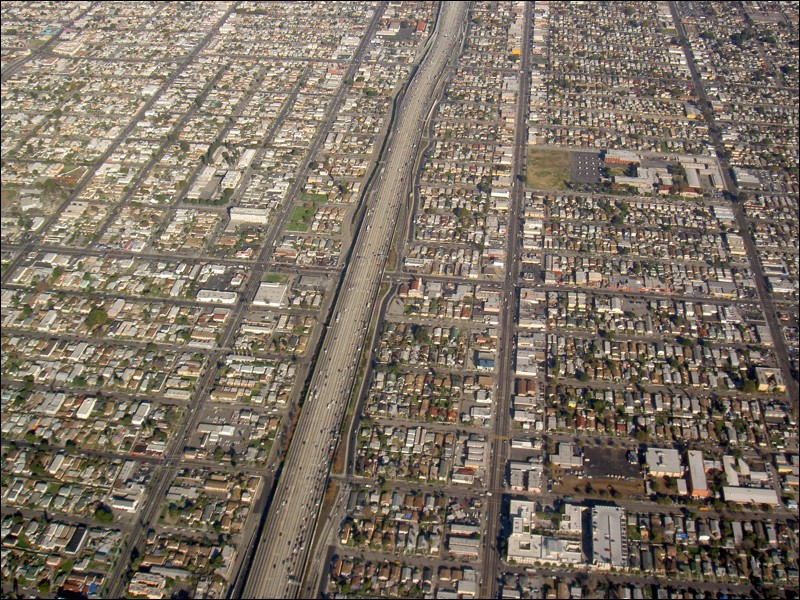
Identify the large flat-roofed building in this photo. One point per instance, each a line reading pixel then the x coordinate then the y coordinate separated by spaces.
pixel 748 495
pixel 697 474
pixel 621 157
pixel 76 541
pixel 529 548
pixel 220 297
pixel 768 378
pixel 270 294
pixel 239 214
pixel 664 462
pixel 572 519
pixel 567 457
pixel 86 408
pixel 609 537
pixel 460 546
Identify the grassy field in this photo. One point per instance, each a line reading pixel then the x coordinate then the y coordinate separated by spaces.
pixel 307 197
pixel 617 170
pixel 330 492
pixel 6 196
pixel 301 217
pixel 274 278
pixel 547 169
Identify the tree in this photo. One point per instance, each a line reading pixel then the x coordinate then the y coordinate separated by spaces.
pixel 50 185
pixel 421 335
pixel 749 386
pixel 103 513
pixel 485 185
pixel 97 316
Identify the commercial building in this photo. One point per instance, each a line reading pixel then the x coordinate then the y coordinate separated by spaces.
pixel 697 474
pixel 258 216
pixel 461 546
pixel 270 294
pixel 567 458
pixel 572 519
pixel 664 462
pixel 747 495
pixel 621 157
pixel 529 548
pixel 218 296
pixel 609 537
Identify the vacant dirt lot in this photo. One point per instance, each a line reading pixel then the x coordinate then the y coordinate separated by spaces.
pixel 547 169
pixel 606 486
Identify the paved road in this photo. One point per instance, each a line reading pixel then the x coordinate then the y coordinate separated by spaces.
pixel 13 66
pixel 781 353
pixel 163 478
pixel 31 244
pixel 492 578
pixel 280 559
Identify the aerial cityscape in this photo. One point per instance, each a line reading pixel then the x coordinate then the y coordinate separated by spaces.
pixel 400 299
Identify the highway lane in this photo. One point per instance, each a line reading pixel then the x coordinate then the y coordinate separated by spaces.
pixel 164 475
pixel 280 560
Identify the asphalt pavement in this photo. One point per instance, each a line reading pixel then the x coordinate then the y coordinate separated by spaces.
pixel 280 559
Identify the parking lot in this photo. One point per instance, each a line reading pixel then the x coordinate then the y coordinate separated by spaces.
pixel 584 167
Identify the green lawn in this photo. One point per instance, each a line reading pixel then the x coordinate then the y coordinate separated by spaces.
pixel 301 217
pixel 617 170
pixel 547 169
pixel 274 278
pixel 307 197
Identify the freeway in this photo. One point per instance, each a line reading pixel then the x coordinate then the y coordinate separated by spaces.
pixel 280 559
pixel 163 479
